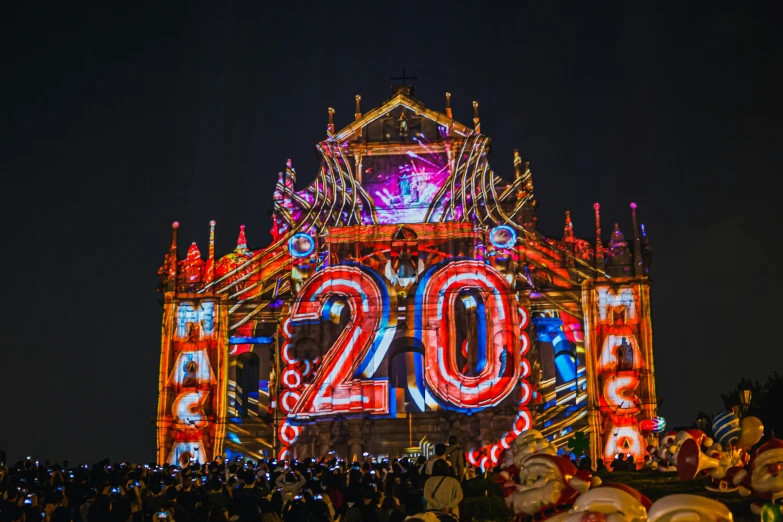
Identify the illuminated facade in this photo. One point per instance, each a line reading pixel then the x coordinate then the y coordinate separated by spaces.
pixel 406 296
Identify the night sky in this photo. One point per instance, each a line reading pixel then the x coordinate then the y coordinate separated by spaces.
pixel 120 118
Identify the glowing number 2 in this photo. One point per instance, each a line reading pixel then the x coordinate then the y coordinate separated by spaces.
pixel 359 349
pixel 436 297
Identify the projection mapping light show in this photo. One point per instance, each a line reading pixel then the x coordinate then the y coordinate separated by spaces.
pixel 403 186
pixel 406 296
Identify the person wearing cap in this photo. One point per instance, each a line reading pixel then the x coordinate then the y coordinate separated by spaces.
pixel 690 508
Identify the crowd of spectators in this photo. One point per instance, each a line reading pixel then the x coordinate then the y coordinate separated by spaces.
pixel 242 490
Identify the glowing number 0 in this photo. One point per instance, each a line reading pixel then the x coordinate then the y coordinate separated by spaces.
pixel 499 318
pixel 359 349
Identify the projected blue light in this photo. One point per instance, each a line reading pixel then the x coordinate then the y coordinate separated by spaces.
pixel 503 236
pixel 251 340
pixel 301 245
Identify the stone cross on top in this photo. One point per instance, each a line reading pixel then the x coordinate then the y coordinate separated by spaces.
pixel 404 77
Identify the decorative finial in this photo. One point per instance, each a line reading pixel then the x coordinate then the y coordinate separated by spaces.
pixel 617 235
pixel 517 164
pixel 647 250
pixel 476 120
pixel 330 125
pixel 172 257
pixel 638 262
pixel 174 227
pixel 448 106
pixel 192 266
pixel 568 231
pixel 241 240
pixel 193 251
pixel 599 248
pixel 358 111
pixel 209 269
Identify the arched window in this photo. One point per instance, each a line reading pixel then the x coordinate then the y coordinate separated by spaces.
pixel 247 384
pixel 624 356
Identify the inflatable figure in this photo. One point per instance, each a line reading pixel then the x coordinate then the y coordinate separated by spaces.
pixel 528 442
pixel 765 478
pixel 548 485
pixel 609 503
pixel 692 508
pixel 672 443
pixel 730 461
pixel 722 461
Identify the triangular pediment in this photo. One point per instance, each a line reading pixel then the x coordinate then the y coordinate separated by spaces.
pixel 383 123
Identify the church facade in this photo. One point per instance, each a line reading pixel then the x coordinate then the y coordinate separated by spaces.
pixel 406 296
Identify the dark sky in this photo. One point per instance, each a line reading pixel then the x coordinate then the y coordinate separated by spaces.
pixel 120 118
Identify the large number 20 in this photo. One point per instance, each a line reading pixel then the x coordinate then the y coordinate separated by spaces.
pixel 363 345
pixel 499 322
pixel 360 348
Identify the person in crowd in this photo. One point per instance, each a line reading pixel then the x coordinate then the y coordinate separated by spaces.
pixel 415 480
pixel 234 490
pixel 246 498
pixel 297 510
pixel 455 455
pixel 440 454
pixel 366 510
pixel 390 507
pixel 84 509
pixel 600 468
pixel 332 493
pixel 13 514
pixel 174 507
pixel 218 514
pixel 99 511
pixel 290 483
pixel 585 462
pixel 57 501
pixel 120 509
pixel 154 501
pixel 442 492
pixel 619 464
pixel 10 504
pixel 267 511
